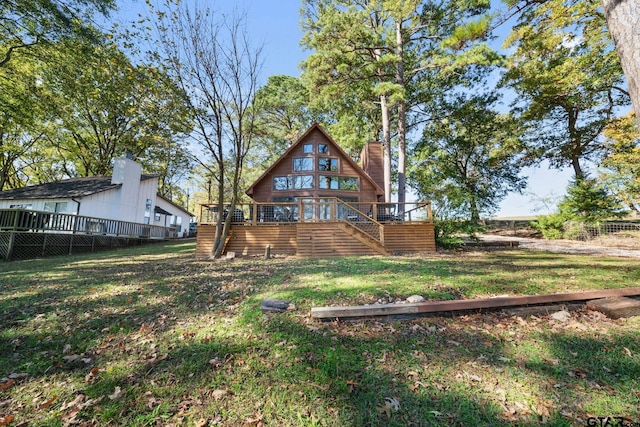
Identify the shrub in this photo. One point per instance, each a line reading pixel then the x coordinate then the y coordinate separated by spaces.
pixel 450 232
pixel 551 226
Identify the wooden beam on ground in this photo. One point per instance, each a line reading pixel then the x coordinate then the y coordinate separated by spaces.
pixel 423 308
pixel 616 307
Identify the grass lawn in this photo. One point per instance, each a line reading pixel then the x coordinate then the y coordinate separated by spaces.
pixel 150 336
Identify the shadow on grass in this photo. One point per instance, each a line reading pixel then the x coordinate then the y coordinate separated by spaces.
pixel 290 375
pixel 159 317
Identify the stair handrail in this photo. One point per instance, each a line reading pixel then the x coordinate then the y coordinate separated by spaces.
pixel 379 228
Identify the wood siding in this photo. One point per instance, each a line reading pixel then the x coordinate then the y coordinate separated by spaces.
pixel 410 237
pixel 263 191
pixel 314 240
pixel 323 240
pixel 249 240
pixel 373 162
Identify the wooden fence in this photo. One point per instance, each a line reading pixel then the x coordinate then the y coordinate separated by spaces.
pixel 29 234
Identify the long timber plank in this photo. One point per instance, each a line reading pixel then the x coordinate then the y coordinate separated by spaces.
pixel 464 305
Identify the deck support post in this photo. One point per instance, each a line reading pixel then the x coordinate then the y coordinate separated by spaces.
pixel 267 252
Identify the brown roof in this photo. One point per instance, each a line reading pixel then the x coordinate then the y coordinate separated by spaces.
pixel 65 189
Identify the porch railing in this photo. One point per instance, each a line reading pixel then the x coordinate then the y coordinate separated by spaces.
pixel 327 209
pixel 25 220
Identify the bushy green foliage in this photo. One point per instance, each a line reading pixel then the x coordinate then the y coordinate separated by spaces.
pixel 588 201
pixel 450 232
pixel 585 202
pixel 551 226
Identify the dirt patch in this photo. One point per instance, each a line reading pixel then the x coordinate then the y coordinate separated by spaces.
pixel 563 246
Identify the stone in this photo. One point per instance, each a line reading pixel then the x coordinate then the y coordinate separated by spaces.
pixel 561 316
pixel 415 299
pixel 270 304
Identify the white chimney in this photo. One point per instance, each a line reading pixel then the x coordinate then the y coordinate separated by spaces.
pixel 126 171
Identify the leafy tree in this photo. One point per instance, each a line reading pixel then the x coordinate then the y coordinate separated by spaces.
pixel 568 81
pixel 469 160
pixel 390 53
pixel 27 24
pixel 106 106
pixel 621 168
pixel 284 114
pixel 588 201
pixel 20 117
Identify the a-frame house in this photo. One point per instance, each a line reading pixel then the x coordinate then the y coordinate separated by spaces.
pixel 316 201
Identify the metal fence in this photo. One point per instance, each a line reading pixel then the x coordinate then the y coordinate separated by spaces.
pixel 623 232
pixel 326 209
pixel 29 234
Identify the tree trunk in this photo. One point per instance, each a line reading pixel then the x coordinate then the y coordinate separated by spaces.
pixel 402 120
pixel 623 20
pixel 577 169
pixel 386 150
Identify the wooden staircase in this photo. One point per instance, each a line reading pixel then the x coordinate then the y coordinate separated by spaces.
pixel 364 238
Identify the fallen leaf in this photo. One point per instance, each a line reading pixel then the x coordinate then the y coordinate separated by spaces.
pixel 48 403
pixel 6 420
pixel 218 394
pixel 626 350
pixel 92 374
pixel 74 403
pixel 18 376
pixel 215 362
pixel 72 357
pixel 201 423
pixel 257 419
pixel 7 384
pixel 117 393
pixel 390 404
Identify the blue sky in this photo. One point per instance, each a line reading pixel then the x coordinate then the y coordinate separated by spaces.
pixel 276 25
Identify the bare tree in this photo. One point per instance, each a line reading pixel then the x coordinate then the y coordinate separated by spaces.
pixel 218 68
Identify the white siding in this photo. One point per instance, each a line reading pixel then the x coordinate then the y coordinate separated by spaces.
pixel 176 213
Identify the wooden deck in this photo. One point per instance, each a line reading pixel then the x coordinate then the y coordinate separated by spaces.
pixel 317 240
pixel 318 228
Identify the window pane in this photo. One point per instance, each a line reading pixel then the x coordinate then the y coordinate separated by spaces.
pixel 334 183
pixel 323 148
pixel 302 164
pixel 307 148
pixel 348 183
pixel 303 182
pixel 281 183
pixel 327 164
pixel 323 182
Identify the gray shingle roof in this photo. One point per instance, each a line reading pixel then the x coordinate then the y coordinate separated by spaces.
pixel 68 188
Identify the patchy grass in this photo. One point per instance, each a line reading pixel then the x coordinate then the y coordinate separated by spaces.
pixel 150 336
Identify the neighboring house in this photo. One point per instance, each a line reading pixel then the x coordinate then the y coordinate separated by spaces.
pixel 128 195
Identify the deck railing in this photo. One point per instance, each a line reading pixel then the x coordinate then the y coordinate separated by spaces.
pixel 25 220
pixel 326 209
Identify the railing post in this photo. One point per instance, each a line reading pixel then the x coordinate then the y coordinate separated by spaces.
pixel 374 212
pixel 254 213
pixel 12 240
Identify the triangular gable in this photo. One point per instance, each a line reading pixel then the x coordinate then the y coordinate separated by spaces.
pixel 299 141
